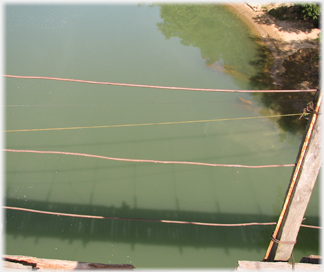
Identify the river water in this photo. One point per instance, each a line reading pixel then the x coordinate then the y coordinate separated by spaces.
pixel 197 46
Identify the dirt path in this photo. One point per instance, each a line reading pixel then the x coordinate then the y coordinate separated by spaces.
pixel 283 38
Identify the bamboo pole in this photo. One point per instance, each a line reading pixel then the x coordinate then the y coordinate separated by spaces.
pixel 299 192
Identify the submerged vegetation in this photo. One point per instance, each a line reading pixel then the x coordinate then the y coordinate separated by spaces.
pixel 301 70
pixel 198 26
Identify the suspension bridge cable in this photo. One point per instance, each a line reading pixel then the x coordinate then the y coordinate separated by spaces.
pixel 157 87
pixel 136 219
pixel 150 220
pixel 151 124
pixel 147 161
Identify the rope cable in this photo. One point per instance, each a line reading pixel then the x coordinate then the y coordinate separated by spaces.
pixel 150 220
pixel 152 161
pixel 136 219
pixel 147 161
pixel 156 87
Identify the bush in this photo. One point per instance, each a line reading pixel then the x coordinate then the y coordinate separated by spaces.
pixel 298 12
pixel 311 12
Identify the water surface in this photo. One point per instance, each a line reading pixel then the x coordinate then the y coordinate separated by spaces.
pixel 188 46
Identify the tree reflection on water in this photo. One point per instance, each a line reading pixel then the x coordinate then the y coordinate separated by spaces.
pixel 212 29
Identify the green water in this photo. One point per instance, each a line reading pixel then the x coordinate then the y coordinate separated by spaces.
pixel 160 45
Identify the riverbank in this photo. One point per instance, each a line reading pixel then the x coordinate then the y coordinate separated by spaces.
pixel 284 39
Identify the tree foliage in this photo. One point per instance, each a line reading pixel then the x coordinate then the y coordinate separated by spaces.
pixel 311 11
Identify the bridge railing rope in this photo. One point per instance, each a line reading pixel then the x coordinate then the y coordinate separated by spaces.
pixel 144 160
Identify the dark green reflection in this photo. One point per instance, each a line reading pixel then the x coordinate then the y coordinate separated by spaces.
pixel 293 79
pixel 286 103
pixel 281 103
pixel 212 28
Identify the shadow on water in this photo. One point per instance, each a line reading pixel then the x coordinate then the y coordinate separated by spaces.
pixel 293 78
pixel 208 27
pixel 286 103
pixel 27 225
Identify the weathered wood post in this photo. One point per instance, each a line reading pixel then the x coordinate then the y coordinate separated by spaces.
pixel 299 191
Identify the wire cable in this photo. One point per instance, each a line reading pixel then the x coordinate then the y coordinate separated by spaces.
pixel 152 124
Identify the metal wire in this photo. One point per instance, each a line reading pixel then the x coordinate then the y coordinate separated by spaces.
pixel 152 124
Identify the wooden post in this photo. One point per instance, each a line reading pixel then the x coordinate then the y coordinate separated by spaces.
pixel 299 191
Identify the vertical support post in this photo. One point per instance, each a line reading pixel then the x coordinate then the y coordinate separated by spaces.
pixel 299 191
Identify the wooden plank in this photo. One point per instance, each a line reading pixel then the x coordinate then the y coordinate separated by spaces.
pixel 275 266
pixel 26 262
pixel 299 192
pixel 11 265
